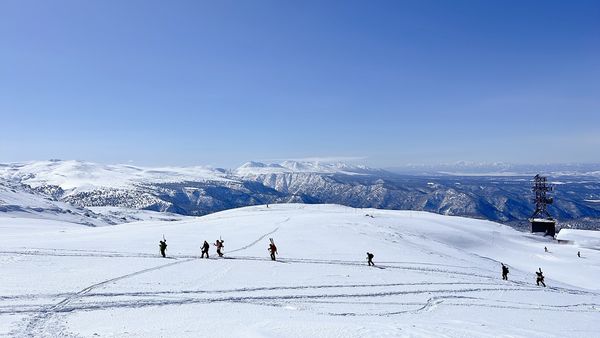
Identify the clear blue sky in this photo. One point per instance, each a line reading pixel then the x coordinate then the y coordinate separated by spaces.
pixel 223 82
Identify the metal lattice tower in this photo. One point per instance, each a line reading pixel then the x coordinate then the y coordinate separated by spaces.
pixel 540 189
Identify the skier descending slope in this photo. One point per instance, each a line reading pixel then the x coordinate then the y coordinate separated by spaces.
pixel 272 249
pixel 370 259
pixel 540 278
pixel 163 247
pixel 504 272
pixel 205 248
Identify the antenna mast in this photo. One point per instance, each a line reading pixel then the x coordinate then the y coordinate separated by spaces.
pixel 541 188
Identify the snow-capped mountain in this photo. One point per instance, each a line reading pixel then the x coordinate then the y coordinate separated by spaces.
pixel 202 190
pixel 75 176
pixel 467 168
pixel 297 167
pixel 19 200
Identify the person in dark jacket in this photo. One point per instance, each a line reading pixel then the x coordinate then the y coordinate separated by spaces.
pixel 540 278
pixel 370 259
pixel 163 247
pixel 219 245
pixel 205 248
pixel 504 272
pixel 272 250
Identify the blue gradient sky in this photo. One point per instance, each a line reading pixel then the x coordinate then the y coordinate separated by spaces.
pixel 222 82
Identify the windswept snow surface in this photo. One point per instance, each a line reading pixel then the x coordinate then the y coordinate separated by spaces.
pixel 434 276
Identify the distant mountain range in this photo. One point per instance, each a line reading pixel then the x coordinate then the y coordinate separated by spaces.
pixel 497 192
pixel 464 168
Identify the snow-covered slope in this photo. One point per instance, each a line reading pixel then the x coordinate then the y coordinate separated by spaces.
pixel 434 276
pixel 18 201
pixel 77 176
pixel 298 167
pixel 584 238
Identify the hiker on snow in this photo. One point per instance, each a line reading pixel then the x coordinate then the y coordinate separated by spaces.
pixel 273 250
pixel 205 248
pixel 579 254
pixel 504 272
pixel 540 278
pixel 370 259
pixel 163 247
pixel 219 245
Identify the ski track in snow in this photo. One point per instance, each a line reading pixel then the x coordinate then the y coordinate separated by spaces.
pixel 469 286
pixel 37 325
pixel 43 315
pixel 77 301
pixel 102 301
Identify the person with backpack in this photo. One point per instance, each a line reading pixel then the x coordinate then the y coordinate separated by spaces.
pixel 219 245
pixel 504 272
pixel 205 248
pixel 540 278
pixel 370 259
pixel 163 247
pixel 272 249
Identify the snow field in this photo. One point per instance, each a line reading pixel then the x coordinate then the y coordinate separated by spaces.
pixel 435 276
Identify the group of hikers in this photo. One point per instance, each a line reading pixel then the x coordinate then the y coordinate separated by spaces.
pixel 218 243
pixel 273 251
pixel 162 245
